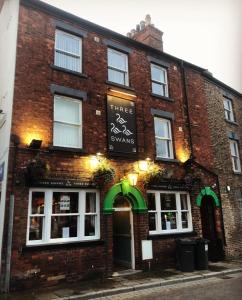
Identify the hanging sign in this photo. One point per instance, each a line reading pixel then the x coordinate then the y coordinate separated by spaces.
pixel 121 120
pixel 1 172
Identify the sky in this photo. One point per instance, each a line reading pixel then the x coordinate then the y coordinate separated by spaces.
pixel 207 33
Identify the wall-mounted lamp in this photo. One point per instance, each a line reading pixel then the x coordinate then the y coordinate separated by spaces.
pixel 95 160
pixel 228 188
pixel 144 165
pixel 35 144
pixel 133 177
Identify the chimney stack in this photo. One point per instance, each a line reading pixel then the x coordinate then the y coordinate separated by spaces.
pixel 148 34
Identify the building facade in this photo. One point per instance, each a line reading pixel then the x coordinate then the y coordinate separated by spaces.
pixel 111 154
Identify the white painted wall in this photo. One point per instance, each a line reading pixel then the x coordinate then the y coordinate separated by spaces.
pixel 8 41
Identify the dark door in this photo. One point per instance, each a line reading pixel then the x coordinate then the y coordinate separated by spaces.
pixel 215 246
pixel 122 237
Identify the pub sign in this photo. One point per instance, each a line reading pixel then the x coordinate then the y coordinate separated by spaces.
pixel 121 120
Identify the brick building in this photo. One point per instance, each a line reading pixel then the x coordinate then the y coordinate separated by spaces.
pixel 86 113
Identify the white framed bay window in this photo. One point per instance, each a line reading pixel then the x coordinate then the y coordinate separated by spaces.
pixel 67 128
pixel 163 138
pixel 62 216
pixel 68 51
pixel 169 212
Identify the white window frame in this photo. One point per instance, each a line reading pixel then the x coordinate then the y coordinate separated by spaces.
pixel 178 211
pixel 124 72
pixel 46 233
pixel 235 156
pixel 229 113
pixel 159 82
pixel 169 139
pixel 78 124
pixel 66 53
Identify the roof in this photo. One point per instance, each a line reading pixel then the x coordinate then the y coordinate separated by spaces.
pixel 117 36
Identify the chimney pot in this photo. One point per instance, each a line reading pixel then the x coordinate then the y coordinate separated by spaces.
pixel 142 25
pixel 148 20
pixel 137 27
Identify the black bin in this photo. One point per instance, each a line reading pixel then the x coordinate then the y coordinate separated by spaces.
pixel 201 254
pixel 185 254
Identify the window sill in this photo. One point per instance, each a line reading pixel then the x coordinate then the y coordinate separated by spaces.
pixel 162 236
pixel 162 97
pixel 237 173
pixel 56 68
pixel 231 122
pixel 66 149
pixel 168 160
pixel 70 245
pixel 126 87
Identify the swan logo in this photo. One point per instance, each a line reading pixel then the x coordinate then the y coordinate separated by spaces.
pixel 121 125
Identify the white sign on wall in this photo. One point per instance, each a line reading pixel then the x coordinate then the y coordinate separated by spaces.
pixel 65 202
pixel 147 249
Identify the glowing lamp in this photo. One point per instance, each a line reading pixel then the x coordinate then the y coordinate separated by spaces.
pixel 35 144
pixel 144 165
pixel 94 162
pixel 133 177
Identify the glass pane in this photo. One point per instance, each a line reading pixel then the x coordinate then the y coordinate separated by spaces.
pixel 183 202
pixel 168 220
pixel 162 148
pixel 158 89
pixel 184 216
pixel 68 43
pixel 226 104
pixel 63 227
pixel 116 76
pixel 36 228
pixel 168 201
pixel 38 200
pixel 67 135
pixel 90 222
pixel 152 221
pixel 157 74
pixel 90 202
pixel 151 201
pixel 162 128
pixel 67 111
pixel 64 203
pixel 236 163
pixel 67 61
pixel 117 60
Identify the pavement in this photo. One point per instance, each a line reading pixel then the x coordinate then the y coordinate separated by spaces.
pixel 125 282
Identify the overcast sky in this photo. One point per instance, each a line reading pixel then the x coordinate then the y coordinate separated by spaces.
pixel 207 33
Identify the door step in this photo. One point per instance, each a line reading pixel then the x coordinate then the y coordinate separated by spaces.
pixel 125 273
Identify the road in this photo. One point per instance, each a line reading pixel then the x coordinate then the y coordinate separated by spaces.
pixel 228 287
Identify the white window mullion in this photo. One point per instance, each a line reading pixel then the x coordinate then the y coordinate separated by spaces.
pixel 178 207
pixel 48 213
pixel 82 207
pixel 158 210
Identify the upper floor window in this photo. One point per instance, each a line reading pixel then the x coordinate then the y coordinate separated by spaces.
pixel 118 67
pixel 234 150
pixel 169 212
pixel 57 216
pixel 228 110
pixel 159 80
pixel 67 122
pixel 68 51
pixel 163 138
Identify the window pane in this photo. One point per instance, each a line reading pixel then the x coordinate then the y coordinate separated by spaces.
pixel 67 61
pixel 116 76
pixel 168 220
pixel 151 201
pixel 226 105
pixel 162 148
pixel 36 228
pixel 168 201
pixel 117 60
pixel 162 128
pixel 90 202
pixel 184 216
pixel 68 43
pixel 152 221
pixel 90 222
pixel 67 135
pixel 64 203
pixel 38 200
pixel 158 89
pixel 63 226
pixel 184 205
pixel 157 74
pixel 67 111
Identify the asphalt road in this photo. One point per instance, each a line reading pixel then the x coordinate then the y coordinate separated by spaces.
pixel 228 287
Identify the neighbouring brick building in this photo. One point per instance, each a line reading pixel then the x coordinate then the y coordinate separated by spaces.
pixel 90 112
